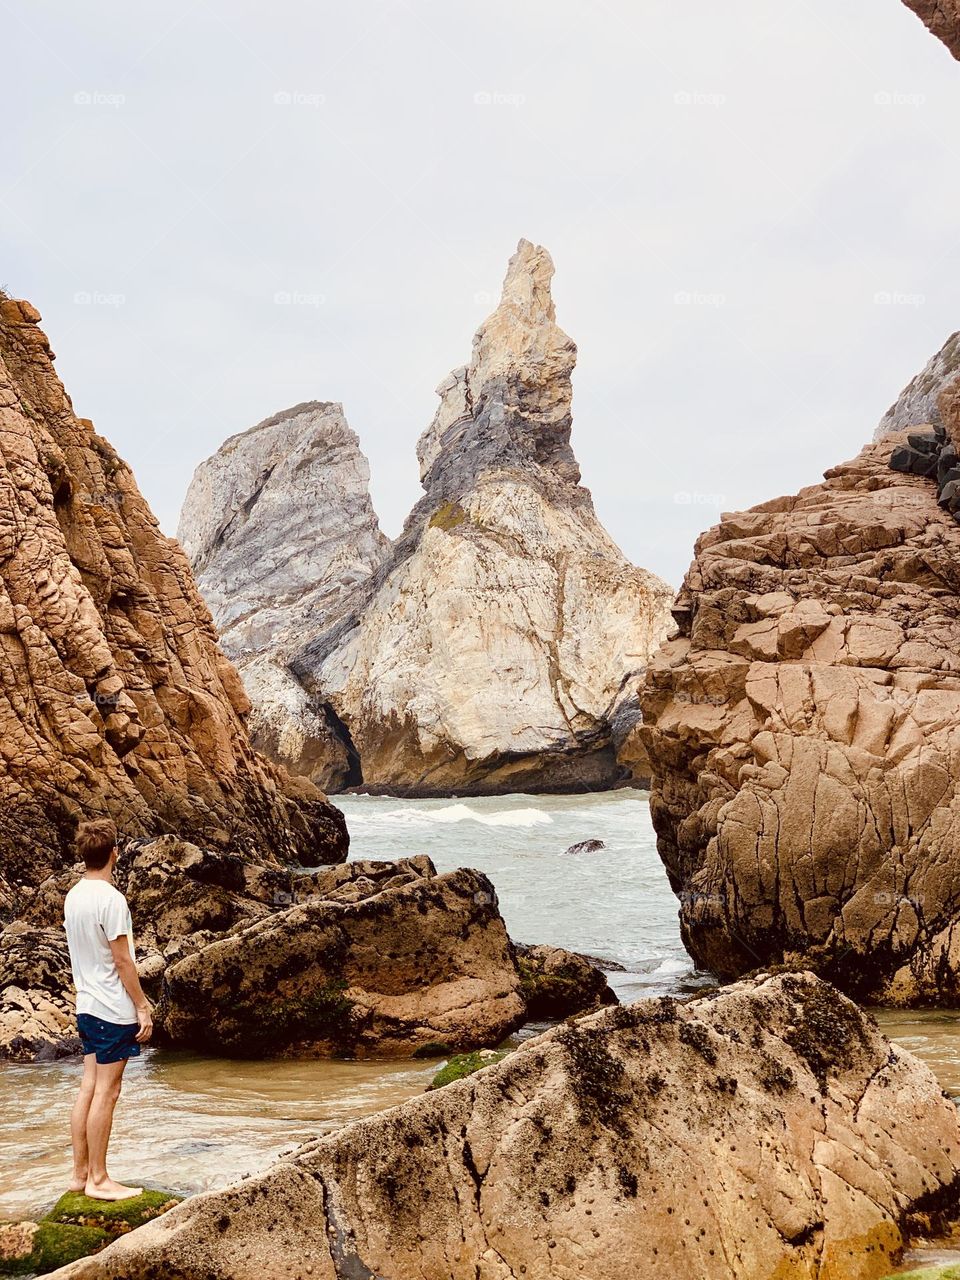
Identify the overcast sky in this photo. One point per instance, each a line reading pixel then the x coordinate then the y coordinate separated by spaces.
pixel 223 208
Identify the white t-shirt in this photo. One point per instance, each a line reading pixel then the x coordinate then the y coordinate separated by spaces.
pixel 95 914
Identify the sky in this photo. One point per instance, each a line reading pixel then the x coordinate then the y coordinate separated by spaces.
pixel 223 208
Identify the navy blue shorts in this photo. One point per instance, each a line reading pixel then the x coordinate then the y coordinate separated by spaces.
pixel 110 1041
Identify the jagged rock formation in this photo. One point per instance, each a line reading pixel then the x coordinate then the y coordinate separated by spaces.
pixel 280 531
pixel 363 958
pixel 765 1130
pixel 942 17
pixel 501 643
pixel 114 698
pixel 918 403
pixel 804 729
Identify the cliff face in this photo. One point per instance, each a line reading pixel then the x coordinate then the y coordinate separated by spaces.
pixel 280 531
pixel 114 697
pixel 804 730
pixel 500 644
pixel 746 1135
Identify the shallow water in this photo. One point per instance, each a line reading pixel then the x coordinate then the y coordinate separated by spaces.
pixel 184 1121
pixel 933 1035
pixel 193 1123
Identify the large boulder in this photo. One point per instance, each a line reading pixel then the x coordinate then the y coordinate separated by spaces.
pixel 804 730
pixel 382 971
pixel 280 530
pixel 114 697
pixel 767 1129
pixel 502 638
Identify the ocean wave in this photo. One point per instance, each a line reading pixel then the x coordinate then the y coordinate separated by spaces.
pixel 414 817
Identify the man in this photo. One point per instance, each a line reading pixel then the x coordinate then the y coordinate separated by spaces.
pixel 113 1015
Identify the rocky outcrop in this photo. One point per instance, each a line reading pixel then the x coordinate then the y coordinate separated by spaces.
pixel 114 697
pixel 804 728
pixel 280 531
pixel 918 403
pixel 501 643
pixel 942 17
pixel 37 1021
pixel 558 984
pixel 765 1130
pixel 385 970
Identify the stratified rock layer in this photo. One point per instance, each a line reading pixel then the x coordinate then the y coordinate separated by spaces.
pixel 804 730
pixel 280 531
pixel 501 644
pixel 114 697
pixel 767 1130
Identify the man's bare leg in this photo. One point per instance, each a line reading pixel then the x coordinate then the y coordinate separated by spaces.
pixel 78 1123
pixel 100 1186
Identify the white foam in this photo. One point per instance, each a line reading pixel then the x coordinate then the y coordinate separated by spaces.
pixel 415 817
pixel 505 818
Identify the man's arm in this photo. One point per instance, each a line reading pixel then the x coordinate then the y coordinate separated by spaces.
pixel 131 982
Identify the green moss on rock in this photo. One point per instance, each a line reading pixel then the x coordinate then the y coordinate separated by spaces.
pixel 465 1064
pixel 447 516
pixel 35 1249
pixel 115 1216
pixel 75 1227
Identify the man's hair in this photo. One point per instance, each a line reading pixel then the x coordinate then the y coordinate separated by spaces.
pixel 96 841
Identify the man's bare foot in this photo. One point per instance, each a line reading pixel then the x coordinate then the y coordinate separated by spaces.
pixel 78 1184
pixel 110 1190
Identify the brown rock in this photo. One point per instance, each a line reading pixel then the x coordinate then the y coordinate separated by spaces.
pixel 36 997
pixel 384 962
pixel 766 1130
pixel 114 698
pixel 560 984
pixel 804 730
pixel 942 17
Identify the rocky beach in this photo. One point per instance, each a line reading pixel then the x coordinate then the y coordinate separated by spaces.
pixel 500 911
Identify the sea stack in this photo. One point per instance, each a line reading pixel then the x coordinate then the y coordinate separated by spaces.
pixel 280 530
pixel 114 697
pixel 501 643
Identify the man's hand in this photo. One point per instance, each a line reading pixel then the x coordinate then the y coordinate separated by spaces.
pixel 145 1018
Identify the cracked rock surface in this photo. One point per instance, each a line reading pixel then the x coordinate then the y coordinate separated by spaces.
pixel 767 1129
pixel 501 644
pixel 804 729
pixel 114 697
